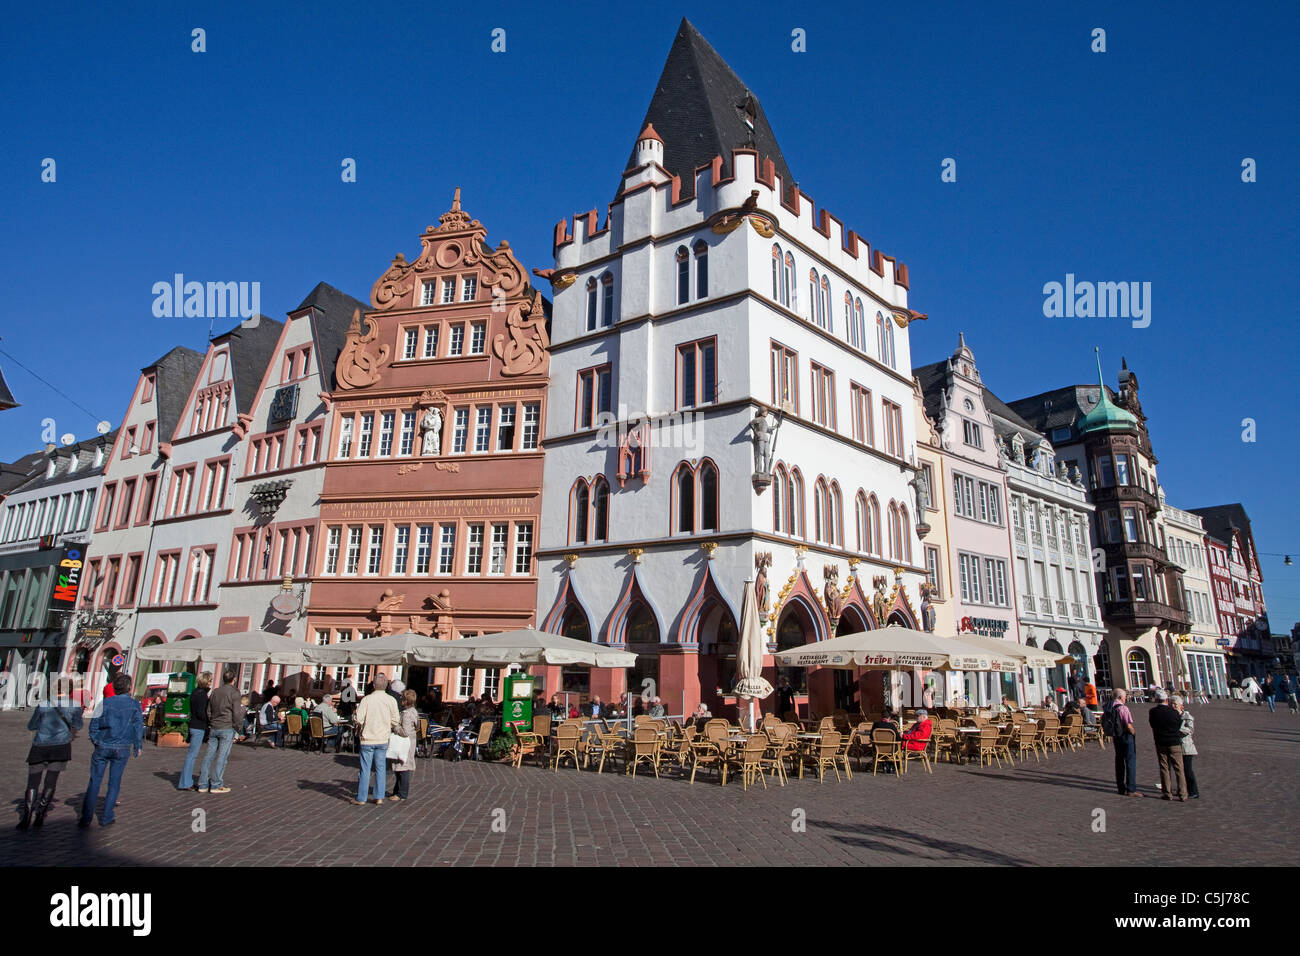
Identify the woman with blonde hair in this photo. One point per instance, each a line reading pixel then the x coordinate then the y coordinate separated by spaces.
pixel 198 730
pixel 410 729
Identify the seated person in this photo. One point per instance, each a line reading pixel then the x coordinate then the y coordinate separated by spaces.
pixel 916 738
pixel 702 713
pixel 657 708
pixel 1008 707
pixel 1049 705
pixel 573 710
pixel 1089 718
pixel 887 721
pixel 1072 707
pixel 270 721
pixel 330 721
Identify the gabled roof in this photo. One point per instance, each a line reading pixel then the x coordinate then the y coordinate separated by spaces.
pixel 1007 420
pixel 933 379
pixel 174 376
pixel 1059 408
pixel 332 315
pixel 15 473
pixel 251 348
pixel 7 399
pixel 1221 520
pixel 83 451
pixel 699 109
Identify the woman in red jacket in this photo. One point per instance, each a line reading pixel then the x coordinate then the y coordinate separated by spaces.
pixel 916 738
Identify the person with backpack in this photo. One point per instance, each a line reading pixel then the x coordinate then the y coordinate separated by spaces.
pixel 56 724
pixel 1117 723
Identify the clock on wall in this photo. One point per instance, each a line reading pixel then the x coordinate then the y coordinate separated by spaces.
pixel 285 403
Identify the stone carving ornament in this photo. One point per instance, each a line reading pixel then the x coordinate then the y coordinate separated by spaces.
pixel 357 367
pixel 431 427
pixel 527 349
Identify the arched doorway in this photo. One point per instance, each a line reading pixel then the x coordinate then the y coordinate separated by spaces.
pixel 716 661
pixel 1101 663
pixel 641 635
pixel 1080 655
pixel 1139 669
pixel 575 680
pixel 794 629
pixel 1056 675
pixel 144 668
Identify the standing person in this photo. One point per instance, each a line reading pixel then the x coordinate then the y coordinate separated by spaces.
pixel 1076 688
pixel 225 718
pixel 376 718
pixel 1270 691
pixel 1090 694
pixel 115 731
pixel 1290 690
pixel 347 698
pixel 1189 747
pixel 56 722
pixel 784 697
pixel 198 730
pixel 1167 729
pixel 927 696
pixel 1117 722
pixel 410 729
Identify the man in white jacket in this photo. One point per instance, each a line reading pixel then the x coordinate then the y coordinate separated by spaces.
pixel 376 718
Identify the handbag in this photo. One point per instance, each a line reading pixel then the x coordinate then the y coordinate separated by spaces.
pixel 399 748
pixel 71 730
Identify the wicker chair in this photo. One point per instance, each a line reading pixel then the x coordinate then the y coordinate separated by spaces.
pixel 1026 739
pixel 705 753
pixel 680 750
pixel 528 743
pixel 1093 732
pixel 567 738
pixel 986 745
pixel 644 748
pixel 884 743
pixel 542 725
pixel 922 755
pixel 1004 738
pixel 825 753
pixel 749 761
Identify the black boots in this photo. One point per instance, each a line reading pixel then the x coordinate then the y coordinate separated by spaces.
pixel 38 814
pixel 25 814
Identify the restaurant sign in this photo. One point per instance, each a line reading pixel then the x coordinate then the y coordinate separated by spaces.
pixel 984 626
pixel 67 580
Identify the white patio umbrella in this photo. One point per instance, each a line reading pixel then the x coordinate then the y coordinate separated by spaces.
pixel 524 646
pixel 1029 656
pixel 752 685
pixel 240 647
pixel 389 649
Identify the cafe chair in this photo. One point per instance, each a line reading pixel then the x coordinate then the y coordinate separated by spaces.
pixel 887 750
pixel 528 743
pixel 644 748
pixel 706 753
pixel 478 745
pixel 567 737
pixel 825 753
pixel 293 729
pixel 923 755
pixel 1026 739
pixel 749 761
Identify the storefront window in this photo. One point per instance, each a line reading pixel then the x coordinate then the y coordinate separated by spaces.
pixel 789 635
pixel 575 680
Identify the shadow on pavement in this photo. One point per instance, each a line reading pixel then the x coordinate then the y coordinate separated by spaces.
pixel 933 849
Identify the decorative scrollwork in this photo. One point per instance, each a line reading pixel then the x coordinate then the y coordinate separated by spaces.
pixel 527 351
pixel 357 368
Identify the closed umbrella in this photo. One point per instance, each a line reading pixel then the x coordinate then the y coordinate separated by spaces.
pixel 752 685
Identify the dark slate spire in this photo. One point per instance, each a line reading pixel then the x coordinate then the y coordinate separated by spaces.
pixel 7 399
pixel 702 109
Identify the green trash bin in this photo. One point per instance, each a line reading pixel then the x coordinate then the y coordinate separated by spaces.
pixel 517 705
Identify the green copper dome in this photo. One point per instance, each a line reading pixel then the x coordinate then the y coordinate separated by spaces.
pixel 1106 415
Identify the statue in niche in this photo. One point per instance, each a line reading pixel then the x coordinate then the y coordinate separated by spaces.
pixel 762 428
pixel 431 426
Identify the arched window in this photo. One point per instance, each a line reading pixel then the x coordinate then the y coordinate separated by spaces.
pixel 701 249
pixel 1139 668
pixel 684 485
pixel 591 305
pixel 600 509
pixel 859 336
pixel 581 502
pixel 904 535
pixel 860 522
pixel 779 480
pixel 821 509
pixel 827 319
pixel 607 309
pixel 835 515
pixel 848 317
pixel 885 338
pixel 815 310
pixel 777 259
pixel 795 507
pixel 789 289
pixel 708 475
pixel 683 276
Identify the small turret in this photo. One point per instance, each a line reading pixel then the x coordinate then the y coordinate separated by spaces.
pixel 649 147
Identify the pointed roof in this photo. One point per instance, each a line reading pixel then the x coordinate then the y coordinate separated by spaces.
pixel 1105 415
pixel 251 347
pixel 702 109
pixel 7 399
pixel 174 376
pixel 333 313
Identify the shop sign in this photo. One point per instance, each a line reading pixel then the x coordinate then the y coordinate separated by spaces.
pixel 67 581
pixel 984 626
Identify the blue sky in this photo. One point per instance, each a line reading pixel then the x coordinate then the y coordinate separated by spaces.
pixel 1118 166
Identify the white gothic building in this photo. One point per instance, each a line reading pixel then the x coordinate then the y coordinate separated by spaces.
pixel 738 367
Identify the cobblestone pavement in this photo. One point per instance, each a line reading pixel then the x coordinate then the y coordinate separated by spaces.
pixel 291 808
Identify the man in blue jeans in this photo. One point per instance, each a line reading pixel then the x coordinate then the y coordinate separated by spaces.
pixel 225 717
pixel 115 731
pixel 376 718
